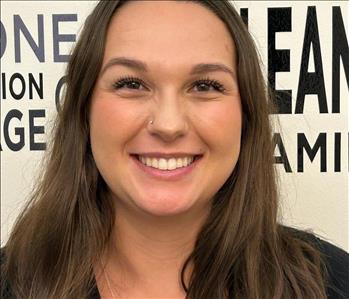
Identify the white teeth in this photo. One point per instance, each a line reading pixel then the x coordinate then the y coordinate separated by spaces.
pixel 166 164
pixel 179 162
pixel 172 164
pixel 154 163
pixel 148 161
pixel 162 164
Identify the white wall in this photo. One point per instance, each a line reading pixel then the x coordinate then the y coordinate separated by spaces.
pixel 310 198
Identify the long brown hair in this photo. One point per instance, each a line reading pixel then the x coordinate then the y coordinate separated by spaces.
pixel 241 250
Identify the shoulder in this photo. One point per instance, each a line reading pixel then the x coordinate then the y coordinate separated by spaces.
pixel 337 264
pixel 336 261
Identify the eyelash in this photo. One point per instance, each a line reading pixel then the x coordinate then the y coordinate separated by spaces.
pixel 214 83
pixel 124 80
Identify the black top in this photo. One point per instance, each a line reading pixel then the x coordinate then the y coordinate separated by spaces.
pixel 336 259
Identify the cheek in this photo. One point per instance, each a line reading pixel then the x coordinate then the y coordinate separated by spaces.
pixel 112 125
pixel 111 122
pixel 222 125
pixel 105 115
pixel 221 130
pixel 102 123
pixel 101 132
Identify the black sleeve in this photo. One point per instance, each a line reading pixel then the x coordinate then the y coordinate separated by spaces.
pixel 337 264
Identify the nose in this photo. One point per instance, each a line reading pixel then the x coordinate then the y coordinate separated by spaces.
pixel 169 118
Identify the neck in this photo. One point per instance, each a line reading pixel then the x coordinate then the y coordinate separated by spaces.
pixel 147 252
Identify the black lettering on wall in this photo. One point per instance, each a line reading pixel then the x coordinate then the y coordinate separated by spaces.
pixel 303 144
pixel 3 39
pixel 282 159
pixel 58 38
pixel 311 82
pixel 17 86
pixel 244 15
pixel 39 87
pixel 19 131
pixel 36 146
pixel 279 20
pixel 340 50
pixel 3 86
pixel 17 96
pixel 39 48
pixel 337 152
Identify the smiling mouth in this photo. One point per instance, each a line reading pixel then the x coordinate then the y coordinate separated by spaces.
pixel 166 164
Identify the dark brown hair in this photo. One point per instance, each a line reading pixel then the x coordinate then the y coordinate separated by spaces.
pixel 241 250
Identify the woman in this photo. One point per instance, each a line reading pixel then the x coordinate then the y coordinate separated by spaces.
pixel 160 179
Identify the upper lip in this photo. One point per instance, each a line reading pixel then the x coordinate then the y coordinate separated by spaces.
pixel 166 155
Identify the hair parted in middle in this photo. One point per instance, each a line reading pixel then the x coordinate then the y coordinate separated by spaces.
pixel 241 250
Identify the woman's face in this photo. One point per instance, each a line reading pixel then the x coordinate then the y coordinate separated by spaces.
pixel 180 63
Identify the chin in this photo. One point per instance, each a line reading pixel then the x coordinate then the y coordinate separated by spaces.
pixel 164 207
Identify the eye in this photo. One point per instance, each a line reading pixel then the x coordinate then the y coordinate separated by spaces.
pixel 207 84
pixel 128 83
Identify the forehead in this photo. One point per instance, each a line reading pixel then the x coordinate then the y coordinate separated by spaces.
pixel 169 32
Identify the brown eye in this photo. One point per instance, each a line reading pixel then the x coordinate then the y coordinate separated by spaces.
pixel 128 83
pixel 206 85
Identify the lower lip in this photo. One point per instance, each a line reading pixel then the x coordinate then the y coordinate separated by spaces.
pixel 170 175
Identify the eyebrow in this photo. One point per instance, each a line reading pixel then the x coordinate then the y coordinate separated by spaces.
pixel 124 61
pixel 141 66
pixel 212 67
